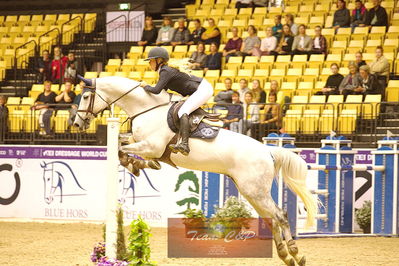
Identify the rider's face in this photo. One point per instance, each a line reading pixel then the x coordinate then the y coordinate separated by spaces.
pixel 153 64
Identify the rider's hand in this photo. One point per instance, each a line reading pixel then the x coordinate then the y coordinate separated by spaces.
pixel 143 84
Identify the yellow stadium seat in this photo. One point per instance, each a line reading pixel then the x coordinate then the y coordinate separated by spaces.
pixel 360 33
pixel 282 61
pixel 150 77
pixel 299 61
pixel 353 102
pixel 244 73
pixel 268 22
pixel 347 121
pixel 288 89
pixel 299 102
pixel 317 102
pixel 250 62
pixel 197 73
pixel 291 9
pixel 17 118
pixel 234 62
pixel 91 75
pixel 277 74
pixel 212 76
pixel 244 13
pixel 38 18
pixel 371 110
pixel 393 31
pixel 310 121
pixel 316 21
pixel 121 74
pixel 334 100
pixel 266 61
pixel 261 75
pixel 327 121
pixel 333 58
pixel 355 46
pixel 392 91
pixel 310 74
pixel 127 65
pixel 61 121
pixel 329 22
pixel 302 20
pixel 180 51
pixel 228 73
pixel 293 74
pixel 338 47
pixel 316 61
pixel 135 75
pixel 291 121
pixel 135 52
pixel 105 74
pixel 141 65
pixel 113 65
pixel 377 32
pixel 13 103
pixel 230 13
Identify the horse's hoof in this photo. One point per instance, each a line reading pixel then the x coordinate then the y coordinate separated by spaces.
pixel 302 261
pixel 154 164
pixel 173 148
pixel 291 262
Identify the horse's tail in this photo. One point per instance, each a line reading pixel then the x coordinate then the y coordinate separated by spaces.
pixel 294 171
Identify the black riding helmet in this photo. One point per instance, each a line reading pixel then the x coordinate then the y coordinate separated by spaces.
pixel 158 52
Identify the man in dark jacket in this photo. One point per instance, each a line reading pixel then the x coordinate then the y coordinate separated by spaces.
pixel 3 115
pixel 377 16
pixel 342 17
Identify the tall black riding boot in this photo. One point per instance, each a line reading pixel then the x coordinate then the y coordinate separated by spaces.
pixel 184 133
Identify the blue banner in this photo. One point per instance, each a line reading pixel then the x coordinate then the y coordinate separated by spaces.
pixel 210 193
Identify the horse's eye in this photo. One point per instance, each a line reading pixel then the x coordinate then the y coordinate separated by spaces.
pixel 85 97
pixel 48 179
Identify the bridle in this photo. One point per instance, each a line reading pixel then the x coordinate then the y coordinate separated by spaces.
pixel 93 94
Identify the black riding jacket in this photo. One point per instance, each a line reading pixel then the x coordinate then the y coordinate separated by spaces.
pixel 173 79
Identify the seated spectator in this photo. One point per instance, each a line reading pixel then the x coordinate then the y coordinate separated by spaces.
pixel 258 93
pixel 58 65
pixel 376 16
pixel 198 58
pixel 267 44
pixel 369 84
pixel 274 88
pixel 278 27
pixel 289 20
pixel 351 81
pixel 66 97
pixel 380 66
pixel 285 44
pixel 358 14
pixel 44 66
pixel 244 4
pixel 214 59
pixel 233 45
pixel 44 103
pixel 150 33
pixel 251 42
pixel 270 121
pixel 195 36
pixel 342 17
pixel 212 33
pixel 166 32
pixel 75 105
pixel 251 113
pixel 359 60
pixel 71 68
pixel 181 35
pixel 243 89
pixel 225 96
pixel 235 114
pixel 319 44
pixel 333 82
pixel 302 43
pixel 3 115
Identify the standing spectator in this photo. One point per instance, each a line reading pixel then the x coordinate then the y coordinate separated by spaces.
pixel 58 65
pixel 44 103
pixel 333 81
pixel 285 44
pixel 181 35
pixel 278 27
pixel 270 121
pixel 214 59
pixel 75 105
pixel 234 114
pixel 342 17
pixel 251 42
pixel 358 14
pixel 289 20
pixel 244 4
pixel 212 33
pixel 198 58
pixel 251 113
pixel 195 36
pixel 3 115
pixel 243 89
pixel 370 84
pixel 302 43
pixel 44 67
pixel 71 68
pixel 267 44
pixel 233 45
pixel 319 44
pixel 351 81
pixel 225 96
pixel 150 33
pixel 380 66
pixel 65 97
pixel 258 93
pixel 165 33
pixel 377 16
pixel 359 60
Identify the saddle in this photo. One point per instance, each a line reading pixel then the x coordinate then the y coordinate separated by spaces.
pixel 202 123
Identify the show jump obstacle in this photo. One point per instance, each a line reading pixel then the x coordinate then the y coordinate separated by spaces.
pixel 336 174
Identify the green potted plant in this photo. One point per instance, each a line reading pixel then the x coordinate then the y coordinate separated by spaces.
pixel 363 217
pixel 231 217
pixel 194 220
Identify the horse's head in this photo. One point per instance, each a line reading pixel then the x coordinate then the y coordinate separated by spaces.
pixel 90 105
pixel 48 183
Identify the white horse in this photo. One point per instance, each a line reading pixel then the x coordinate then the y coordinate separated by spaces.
pixel 250 164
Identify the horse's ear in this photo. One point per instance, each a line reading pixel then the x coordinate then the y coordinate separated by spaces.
pixel 43 164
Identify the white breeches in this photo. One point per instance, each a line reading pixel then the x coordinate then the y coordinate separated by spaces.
pixel 197 99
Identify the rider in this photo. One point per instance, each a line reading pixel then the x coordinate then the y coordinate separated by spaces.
pixel 199 89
